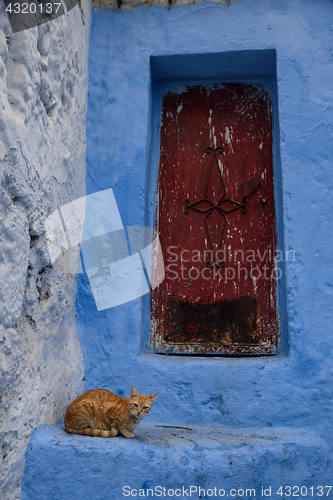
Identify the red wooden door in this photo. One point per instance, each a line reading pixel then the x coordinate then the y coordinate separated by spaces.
pixel 216 220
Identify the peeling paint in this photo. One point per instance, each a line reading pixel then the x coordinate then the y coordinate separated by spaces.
pixel 130 4
pixel 230 177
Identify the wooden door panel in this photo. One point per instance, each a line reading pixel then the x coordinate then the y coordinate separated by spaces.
pixel 216 220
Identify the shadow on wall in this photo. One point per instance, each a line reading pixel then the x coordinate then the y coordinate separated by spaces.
pixel 23 16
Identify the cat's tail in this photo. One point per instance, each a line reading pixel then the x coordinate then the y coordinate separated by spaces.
pixel 93 432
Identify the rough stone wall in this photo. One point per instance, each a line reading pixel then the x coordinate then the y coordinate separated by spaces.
pixel 43 96
pixel 130 4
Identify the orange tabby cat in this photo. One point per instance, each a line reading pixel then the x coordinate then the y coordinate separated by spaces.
pixel 101 413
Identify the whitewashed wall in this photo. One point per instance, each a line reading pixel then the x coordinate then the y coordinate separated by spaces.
pixel 43 107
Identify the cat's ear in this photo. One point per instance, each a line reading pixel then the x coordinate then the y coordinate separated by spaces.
pixel 133 393
pixel 153 396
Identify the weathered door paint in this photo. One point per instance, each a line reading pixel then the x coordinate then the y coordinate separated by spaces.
pixel 216 220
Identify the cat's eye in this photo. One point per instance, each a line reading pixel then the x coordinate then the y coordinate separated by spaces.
pixel 145 407
pixel 134 404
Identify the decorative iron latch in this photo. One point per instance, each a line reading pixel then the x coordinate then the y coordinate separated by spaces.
pixel 215 206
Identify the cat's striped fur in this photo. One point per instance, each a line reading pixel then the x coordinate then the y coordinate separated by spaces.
pixel 101 413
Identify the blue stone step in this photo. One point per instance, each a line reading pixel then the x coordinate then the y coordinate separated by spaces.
pixel 60 466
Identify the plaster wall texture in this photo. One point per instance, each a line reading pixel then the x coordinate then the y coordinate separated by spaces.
pixel 293 389
pixel 43 94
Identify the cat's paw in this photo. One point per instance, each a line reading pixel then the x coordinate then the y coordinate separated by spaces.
pixel 130 435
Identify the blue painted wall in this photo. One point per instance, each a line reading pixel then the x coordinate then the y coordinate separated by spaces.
pixel 293 389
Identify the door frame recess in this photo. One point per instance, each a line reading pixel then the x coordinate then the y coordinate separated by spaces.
pixel 254 66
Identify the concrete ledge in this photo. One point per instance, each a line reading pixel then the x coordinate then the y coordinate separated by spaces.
pixel 60 466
